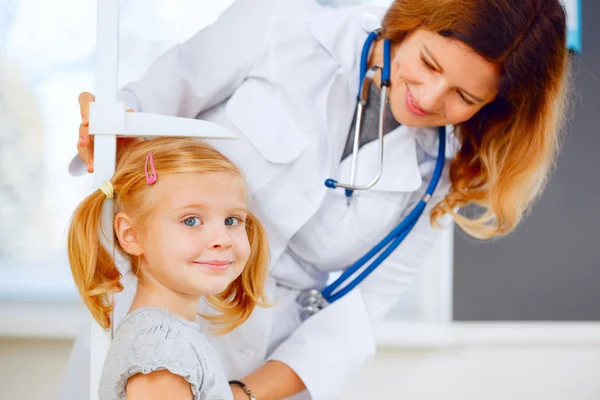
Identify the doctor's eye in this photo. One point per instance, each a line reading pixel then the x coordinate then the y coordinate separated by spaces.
pixel 427 63
pixel 467 101
pixel 192 221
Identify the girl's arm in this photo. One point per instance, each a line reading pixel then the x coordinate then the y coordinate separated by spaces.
pixel 158 385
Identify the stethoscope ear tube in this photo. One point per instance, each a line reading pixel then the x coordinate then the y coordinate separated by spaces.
pixel 365 81
pixel 362 102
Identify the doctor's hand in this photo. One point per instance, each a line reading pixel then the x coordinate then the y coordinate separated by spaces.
pixel 85 144
pixel 238 393
pixel 273 381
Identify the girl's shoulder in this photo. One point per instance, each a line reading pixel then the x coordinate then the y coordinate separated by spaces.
pixel 151 339
pixel 153 317
pixel 150 326
pixel 158 332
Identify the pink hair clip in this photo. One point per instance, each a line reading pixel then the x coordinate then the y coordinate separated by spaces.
pixel 150 176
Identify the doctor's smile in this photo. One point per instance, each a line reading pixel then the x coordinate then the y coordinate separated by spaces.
pixel 413 106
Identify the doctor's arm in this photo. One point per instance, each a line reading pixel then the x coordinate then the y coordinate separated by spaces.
pixel 331 347
pixel 273 381
pixel 200 73
pixel 206 69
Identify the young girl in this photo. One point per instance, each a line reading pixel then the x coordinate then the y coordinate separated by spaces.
pixel 180 217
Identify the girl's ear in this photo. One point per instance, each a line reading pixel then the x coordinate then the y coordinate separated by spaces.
pixel 127 234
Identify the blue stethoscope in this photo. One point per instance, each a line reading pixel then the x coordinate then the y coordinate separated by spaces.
pixel 312 301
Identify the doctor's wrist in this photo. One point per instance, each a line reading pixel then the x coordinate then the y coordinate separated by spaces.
pixel 240 391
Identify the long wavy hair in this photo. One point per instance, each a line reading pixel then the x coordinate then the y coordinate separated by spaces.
pixel 94 270
pixel 509 147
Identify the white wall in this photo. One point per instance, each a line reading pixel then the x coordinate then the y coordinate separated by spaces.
pixel 31 369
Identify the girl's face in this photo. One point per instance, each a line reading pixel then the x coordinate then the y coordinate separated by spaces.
pixel 194 241
pixel 436 81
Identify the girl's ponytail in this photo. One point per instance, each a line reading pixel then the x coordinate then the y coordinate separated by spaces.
pixel 94 270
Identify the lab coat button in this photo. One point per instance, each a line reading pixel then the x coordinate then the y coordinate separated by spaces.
pixel 370 22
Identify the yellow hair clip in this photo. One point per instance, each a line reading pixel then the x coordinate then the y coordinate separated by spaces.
pixel 108 189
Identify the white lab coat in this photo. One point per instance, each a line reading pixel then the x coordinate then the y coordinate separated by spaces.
pixel 283 75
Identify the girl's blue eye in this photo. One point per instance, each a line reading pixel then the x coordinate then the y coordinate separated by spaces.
pixel 192 221
pixel 232 221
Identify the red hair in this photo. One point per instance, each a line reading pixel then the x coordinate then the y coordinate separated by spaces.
pixel 508 148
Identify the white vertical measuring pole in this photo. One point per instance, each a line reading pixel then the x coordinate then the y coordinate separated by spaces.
pixel 108 120
pixel 104 152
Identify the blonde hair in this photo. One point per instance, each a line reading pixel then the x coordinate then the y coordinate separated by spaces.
pixel 509 147
pixel 94 270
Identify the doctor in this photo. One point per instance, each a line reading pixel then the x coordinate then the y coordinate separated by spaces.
pixel 284 75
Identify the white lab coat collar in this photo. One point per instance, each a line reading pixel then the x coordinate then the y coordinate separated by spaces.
pixel 342 32
pixel 428 140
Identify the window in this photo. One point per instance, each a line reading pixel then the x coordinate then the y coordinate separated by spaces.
pixel 47 59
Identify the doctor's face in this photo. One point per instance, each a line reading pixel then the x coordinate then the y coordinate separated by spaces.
pixel 438 81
